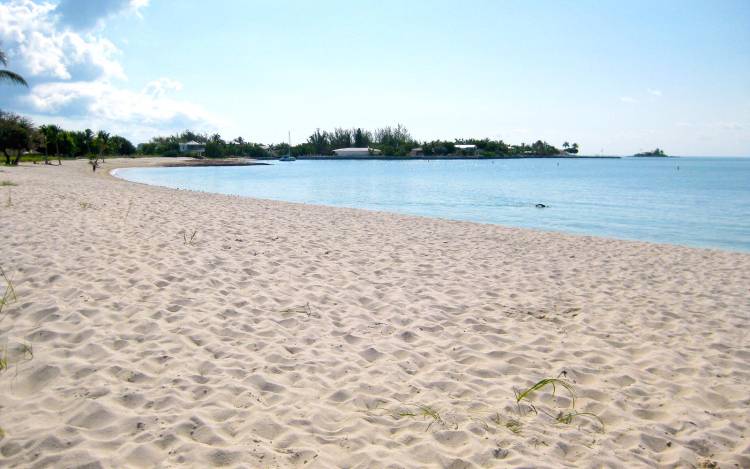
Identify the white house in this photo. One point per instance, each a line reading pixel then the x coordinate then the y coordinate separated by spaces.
pixel 467 148
pixel 192 148
pixel 356 152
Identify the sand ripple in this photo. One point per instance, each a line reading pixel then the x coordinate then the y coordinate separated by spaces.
pixel 287 335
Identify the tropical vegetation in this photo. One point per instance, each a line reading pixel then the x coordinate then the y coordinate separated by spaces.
pixel 656 152
pixel 390 141
pixel 19 137
pixel 7 75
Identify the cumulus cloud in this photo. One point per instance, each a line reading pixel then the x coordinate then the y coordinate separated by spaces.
pixel 627 99
pixel 102 99
pixel 74 72
pixel 653 92
pixel 41 47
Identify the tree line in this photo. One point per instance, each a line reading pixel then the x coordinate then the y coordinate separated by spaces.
pixel 390 141
pixel 19 135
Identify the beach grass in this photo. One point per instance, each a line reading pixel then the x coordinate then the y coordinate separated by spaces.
pixel 9 292
pixel 554 382
pixel 514 426
pixel 425 411
pixel 567 417
pixel 564 417
pixel 189 240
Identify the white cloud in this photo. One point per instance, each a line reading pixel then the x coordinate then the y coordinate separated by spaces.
pixel 160 87
pixel 74 73
pixel 103 100
pixel 41 47
pixel 627 99
pixel 654 92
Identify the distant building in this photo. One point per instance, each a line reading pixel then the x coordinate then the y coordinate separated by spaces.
pixel 192 148
pixel 467 149
pixel 356 152
pixel 416 152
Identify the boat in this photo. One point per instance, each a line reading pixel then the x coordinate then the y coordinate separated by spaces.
pixel 288 156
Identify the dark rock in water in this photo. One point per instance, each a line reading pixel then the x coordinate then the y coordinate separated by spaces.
pixel 541 206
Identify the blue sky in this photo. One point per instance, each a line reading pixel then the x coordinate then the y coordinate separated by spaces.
pixel 616 77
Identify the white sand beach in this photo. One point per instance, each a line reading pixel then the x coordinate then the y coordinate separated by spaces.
pixel 178 329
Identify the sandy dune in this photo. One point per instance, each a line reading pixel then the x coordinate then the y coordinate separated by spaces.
pixel 286 335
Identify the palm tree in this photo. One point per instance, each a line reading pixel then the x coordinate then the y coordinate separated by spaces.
pixel 88 140
pixel 51 136
pixel 102 140
pixel 7 75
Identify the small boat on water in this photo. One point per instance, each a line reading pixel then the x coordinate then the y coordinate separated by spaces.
pixel 288 156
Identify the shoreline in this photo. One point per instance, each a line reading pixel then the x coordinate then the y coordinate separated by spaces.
pixel 173 327
pixel 445 157
pixel 159 163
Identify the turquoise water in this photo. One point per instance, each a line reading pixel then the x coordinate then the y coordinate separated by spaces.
pixel 702 202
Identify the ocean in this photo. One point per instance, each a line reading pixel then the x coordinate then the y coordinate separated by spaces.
pixel 700 202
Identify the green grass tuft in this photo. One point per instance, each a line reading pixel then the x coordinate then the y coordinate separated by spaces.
pixel 561 417
pixel 554 382
pixel 514 426
pixel 7 183
pixel 567 417
pixel 9 293
pixel 426 412
pixel 189 240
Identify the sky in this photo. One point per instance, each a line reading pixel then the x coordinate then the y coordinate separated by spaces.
pixel 615 77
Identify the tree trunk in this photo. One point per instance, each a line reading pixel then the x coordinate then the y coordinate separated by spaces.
pixel 7 156
pixel 18 157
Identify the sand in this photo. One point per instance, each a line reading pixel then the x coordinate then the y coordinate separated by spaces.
pixel 289 335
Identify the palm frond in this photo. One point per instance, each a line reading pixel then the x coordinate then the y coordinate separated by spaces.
pixel 7 75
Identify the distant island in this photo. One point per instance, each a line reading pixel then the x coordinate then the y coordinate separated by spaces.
pixel 657 152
